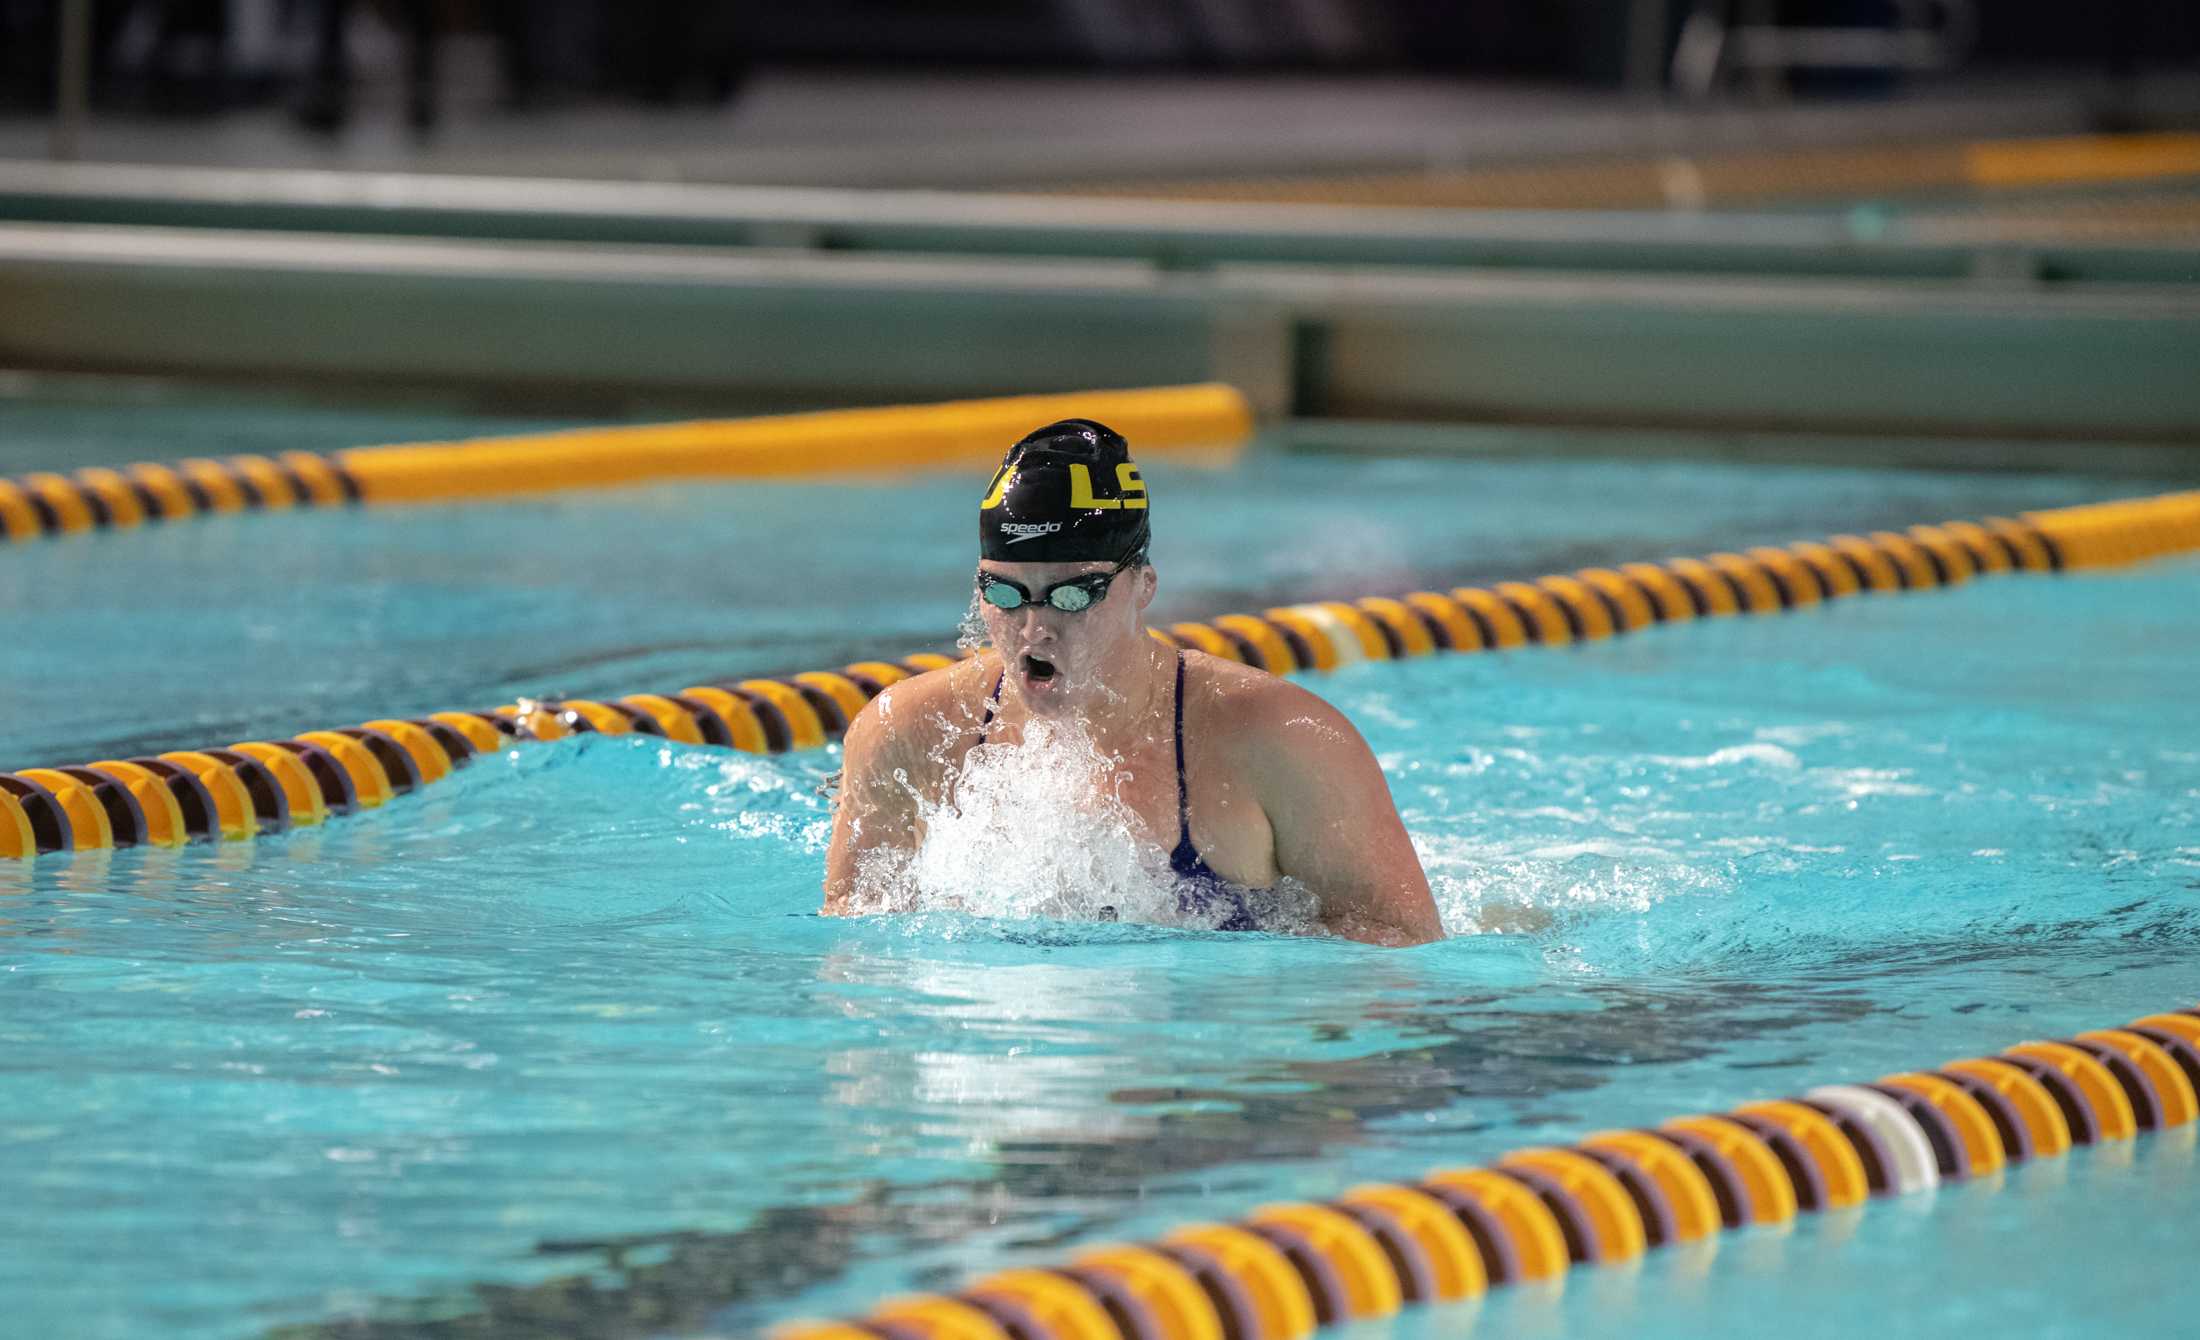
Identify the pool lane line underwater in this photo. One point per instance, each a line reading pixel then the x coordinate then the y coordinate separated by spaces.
pixel 965 433
pixel 248 789
pixel 1286 1270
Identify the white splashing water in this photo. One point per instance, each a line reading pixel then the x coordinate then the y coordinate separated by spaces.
pixel 1482 887
pixel 1037 830
pixel 1762 754
pixel 970 634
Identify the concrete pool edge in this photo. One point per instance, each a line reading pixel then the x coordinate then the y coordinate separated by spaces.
pixel 1288 1269
pixel 244 790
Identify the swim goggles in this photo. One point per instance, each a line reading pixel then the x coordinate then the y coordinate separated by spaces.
pixel 1071 597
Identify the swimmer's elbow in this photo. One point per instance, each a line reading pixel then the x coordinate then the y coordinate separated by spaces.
pixel 1396 914
pixel 1418 933
pixel 1384 933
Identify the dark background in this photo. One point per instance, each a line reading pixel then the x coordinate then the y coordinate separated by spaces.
pixel 186 56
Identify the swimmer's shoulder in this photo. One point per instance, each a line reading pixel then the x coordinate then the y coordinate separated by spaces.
pixel 921 710
pixel 1260 716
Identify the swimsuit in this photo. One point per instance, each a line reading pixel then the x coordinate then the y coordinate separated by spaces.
pixel 1199 890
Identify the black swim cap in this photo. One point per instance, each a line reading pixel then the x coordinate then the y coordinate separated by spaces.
pixel 1068 493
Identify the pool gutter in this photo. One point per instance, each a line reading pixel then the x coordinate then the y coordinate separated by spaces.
pixel 1998 352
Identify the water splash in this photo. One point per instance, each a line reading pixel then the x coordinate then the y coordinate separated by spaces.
pixel 970 634
pixel 1482 888
pixel 1040 830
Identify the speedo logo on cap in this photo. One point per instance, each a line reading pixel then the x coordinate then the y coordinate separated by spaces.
pixel 1018 532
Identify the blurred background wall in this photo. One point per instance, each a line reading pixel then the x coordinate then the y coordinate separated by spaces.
pixel 185 57
pixel 1882 216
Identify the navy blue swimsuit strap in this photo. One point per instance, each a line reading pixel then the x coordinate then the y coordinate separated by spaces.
pixel 985 723
pixel 1183 791
pixel 1201 888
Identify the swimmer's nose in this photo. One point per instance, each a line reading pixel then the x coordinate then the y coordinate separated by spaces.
pixel 1036 627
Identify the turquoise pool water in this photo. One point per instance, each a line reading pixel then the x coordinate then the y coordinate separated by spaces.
pixel 560 1047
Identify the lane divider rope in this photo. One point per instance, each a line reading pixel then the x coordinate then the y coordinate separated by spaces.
pixel 966 433
pixel 1285 1270
pixel 244 790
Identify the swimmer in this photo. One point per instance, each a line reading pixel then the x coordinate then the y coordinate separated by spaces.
pixel 1242 777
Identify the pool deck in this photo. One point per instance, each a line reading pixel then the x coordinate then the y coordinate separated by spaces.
pixel 979 130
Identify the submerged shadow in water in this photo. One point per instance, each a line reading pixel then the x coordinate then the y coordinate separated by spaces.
pixel 650 1284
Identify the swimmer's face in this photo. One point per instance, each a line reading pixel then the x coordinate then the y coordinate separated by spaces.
pixel 1060 660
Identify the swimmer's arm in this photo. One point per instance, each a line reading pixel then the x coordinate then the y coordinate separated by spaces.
pixel 874 812
pixel 1336 830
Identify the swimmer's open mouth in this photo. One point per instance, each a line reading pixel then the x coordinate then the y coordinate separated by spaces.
pixel 1038 667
